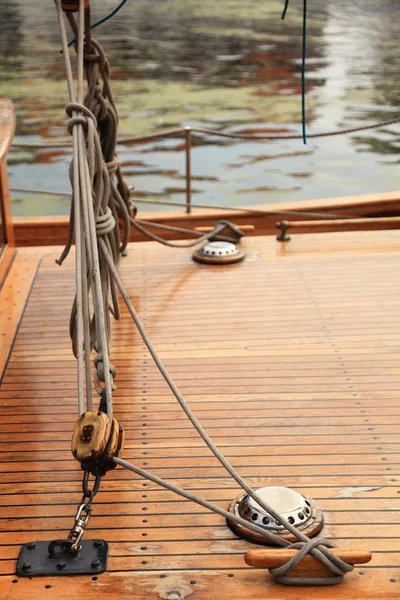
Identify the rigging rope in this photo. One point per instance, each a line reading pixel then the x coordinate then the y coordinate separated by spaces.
pixel 100 21
pixel 285 9
pixel 303 67
pixel 320 551
pixel 317 546
pixel 97 204
pixel 251 211
pixel 303 74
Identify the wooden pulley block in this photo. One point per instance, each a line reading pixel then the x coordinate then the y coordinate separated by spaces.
pixel 95 439
pixel 73 5
pixel 114 446
pixel 308 566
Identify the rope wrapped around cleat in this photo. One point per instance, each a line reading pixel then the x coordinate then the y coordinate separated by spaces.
pixel 318 548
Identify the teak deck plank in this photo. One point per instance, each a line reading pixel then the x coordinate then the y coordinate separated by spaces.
pixel 290 360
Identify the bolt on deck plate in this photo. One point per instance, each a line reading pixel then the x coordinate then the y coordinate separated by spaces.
pixel 34 560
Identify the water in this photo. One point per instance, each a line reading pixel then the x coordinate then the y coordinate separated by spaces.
pixel 231 65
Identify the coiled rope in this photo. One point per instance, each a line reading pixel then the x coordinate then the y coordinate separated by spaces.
pixel 97 202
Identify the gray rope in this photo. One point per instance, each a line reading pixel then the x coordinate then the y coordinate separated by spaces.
pixel 202 238
pixel 337 566
pixel 189 496
pixel 329 560
pixel 96 208
pixel 97 203
pixel 214 234
pixel 218 133
pixel 321 552
pixel 252 211
pixel 79 241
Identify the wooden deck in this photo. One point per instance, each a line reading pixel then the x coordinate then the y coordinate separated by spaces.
pixel 291 360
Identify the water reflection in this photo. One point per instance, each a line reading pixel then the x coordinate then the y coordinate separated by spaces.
pixel 232 65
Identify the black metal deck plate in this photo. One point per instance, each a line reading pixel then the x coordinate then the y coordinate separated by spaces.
pixel 34 560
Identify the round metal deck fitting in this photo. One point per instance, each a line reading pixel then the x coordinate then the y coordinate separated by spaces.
pixel 218 253
pixel 301 511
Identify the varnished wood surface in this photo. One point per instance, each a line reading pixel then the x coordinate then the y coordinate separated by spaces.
pixel 7 255
pixel 325 225
pixel 13 296
pixel 291 361
pixel 308 566
pixel 53 230
pixel 7 127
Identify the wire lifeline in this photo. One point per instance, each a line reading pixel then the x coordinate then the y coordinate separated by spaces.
pixel 217 133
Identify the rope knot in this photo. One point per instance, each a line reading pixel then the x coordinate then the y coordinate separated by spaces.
pixel 105 223
pixel 99 364
pixel 112 165
pixel 80 118
pixel 91 57
pixel 319 548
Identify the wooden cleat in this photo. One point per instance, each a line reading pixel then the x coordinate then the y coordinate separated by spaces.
pixel 309 566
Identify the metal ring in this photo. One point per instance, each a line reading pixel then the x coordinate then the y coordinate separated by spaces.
pixel 65 545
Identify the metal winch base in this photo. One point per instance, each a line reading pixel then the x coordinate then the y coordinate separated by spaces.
pixel 218 253
pixel 38 559
pixel 301 511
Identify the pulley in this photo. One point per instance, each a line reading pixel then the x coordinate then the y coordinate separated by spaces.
pixel 301 511
pixel 96 441
pixel 218 253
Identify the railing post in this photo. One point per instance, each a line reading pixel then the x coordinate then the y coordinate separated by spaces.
pixel 188 147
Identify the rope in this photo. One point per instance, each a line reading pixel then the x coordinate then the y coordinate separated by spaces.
pixel 303 74
pixel 219 227
pixel 329 560
pixel 285 9
pixel 97 203
pixel 252 211
pixel 332 562
pixel 320 551
pixel 219 133
pixel 100 21
pixel 303 67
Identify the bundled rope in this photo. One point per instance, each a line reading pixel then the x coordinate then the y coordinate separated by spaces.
pixel 97 203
